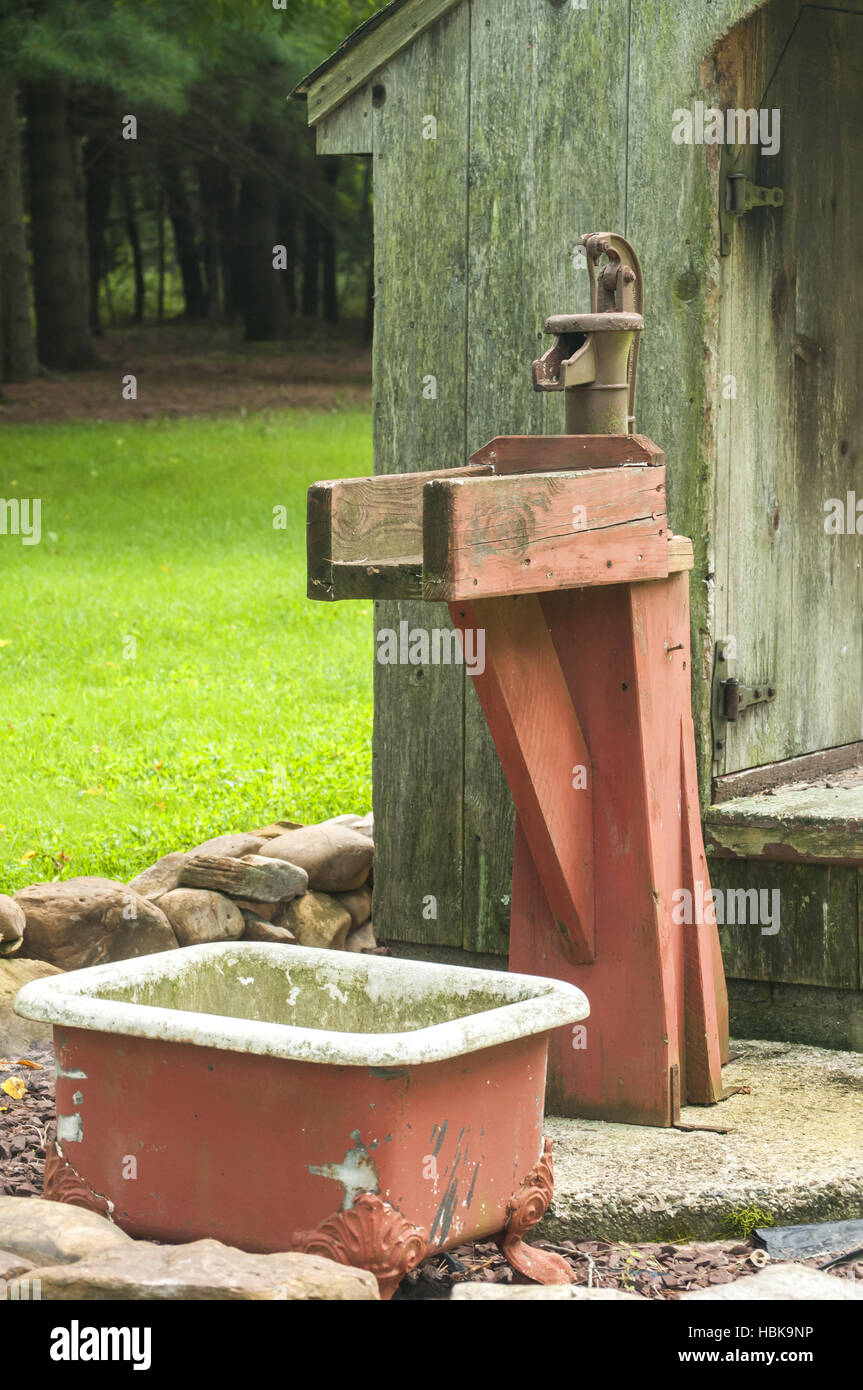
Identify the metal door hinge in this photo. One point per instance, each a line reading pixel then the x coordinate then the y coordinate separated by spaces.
pixel 729 698
pixel 737 196
pixel 741 195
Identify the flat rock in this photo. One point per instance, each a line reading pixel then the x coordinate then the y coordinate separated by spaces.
pixel 89 921
pixel 336 858
pixel 267 911
pixel 316 919
pixel 541 1293
pixel 358 904
pixel 252 877
pixel 199 915
pixel 161 877
pixel 278 827
pixel 17 1034
pixel 12 923
pixel 56 1232
pixel 781 1283
pixel 230 846
pixel 258 929
pixel 364 824
pixel 361 938
pixel 205 1270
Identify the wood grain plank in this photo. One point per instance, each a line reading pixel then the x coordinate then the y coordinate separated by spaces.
pixel 825 71
pixel 816 943
pixel 812 824
pixel 628 691
pixel 859 878
pixel 543 453
pixel 811 767
pixel 685 363
pixel 349 128
pixel 543 80
pixel 388 579
pixel 705 996
pixel 527 533
pixel 680 554
pixel 367 521
pixel 790 593
pixel 420 295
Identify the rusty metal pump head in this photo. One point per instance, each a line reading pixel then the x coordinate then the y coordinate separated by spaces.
pixel 594 356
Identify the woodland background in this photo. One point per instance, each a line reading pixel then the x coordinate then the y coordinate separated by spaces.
pixel 98 231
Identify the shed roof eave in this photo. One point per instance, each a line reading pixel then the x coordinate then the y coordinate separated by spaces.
pixel 377 40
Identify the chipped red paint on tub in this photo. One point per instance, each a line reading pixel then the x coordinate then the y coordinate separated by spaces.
pixel 369 1109
pixel 252 1149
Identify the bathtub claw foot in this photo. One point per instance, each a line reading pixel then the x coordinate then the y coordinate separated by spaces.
pixel 370 1235
pixel 524 1209
pixel 63 1184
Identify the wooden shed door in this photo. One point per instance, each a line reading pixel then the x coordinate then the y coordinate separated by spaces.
pixel 789 423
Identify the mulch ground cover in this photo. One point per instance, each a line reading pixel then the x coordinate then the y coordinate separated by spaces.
pixel 658 1270
pixel 24 1122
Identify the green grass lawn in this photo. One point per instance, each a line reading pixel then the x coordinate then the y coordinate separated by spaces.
pixel 163 677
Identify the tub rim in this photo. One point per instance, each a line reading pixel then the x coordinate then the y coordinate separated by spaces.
pixel 63 1000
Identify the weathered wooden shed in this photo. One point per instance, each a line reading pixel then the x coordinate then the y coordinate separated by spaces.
pixel 500 131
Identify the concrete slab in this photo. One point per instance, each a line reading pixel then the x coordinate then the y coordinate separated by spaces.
pixel 794 1150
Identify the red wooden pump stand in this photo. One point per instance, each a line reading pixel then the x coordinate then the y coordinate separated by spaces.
pixel 558 548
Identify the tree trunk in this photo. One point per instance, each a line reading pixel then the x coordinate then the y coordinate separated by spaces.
pixel 210 188
pixel 160 254
pixel 98 174
pixel 310 292
pixel 19 361
pixel 58 231
pixel 288 238
pixel 260 286
pixel 183 224
pixel 128 193
pixel 328 245
pixel 227 223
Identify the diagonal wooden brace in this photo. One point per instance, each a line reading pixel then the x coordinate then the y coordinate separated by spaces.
pixel 529 710
pixel 658 1025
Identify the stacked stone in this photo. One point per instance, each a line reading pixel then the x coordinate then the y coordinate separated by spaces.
pixel 286 884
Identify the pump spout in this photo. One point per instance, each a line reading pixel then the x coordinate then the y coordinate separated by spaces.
pixel 593 357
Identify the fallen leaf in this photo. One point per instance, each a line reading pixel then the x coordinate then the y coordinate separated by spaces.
pixel 4 641
pixel 14 1087
pixel 22 1062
